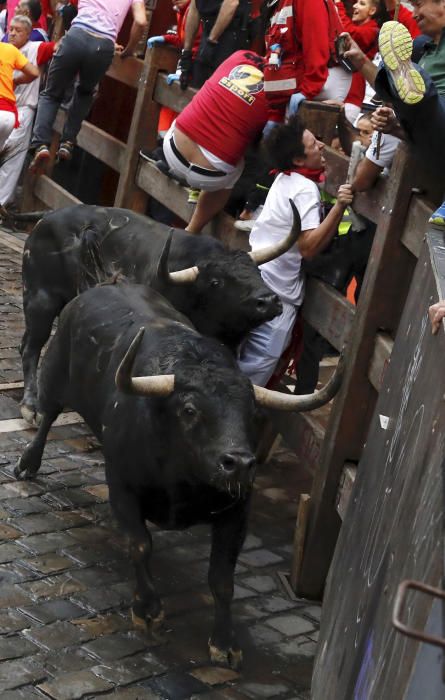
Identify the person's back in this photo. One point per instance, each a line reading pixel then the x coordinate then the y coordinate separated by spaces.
pixel 105 17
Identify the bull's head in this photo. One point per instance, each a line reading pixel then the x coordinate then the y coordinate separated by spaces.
pixel 235 465
pixel 226 296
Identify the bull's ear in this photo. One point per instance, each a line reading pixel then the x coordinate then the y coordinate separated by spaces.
pixel 161 279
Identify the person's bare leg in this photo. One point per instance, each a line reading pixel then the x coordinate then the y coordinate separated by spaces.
pixel 208 205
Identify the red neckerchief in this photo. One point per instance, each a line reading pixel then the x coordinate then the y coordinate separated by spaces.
pixel 314 175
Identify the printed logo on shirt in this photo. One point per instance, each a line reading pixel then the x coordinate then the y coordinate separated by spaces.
pixel 244 81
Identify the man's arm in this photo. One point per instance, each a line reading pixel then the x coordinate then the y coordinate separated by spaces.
pixel 313 241
pixel 137 28
pixel 191 26
pixel 359 60
pixel 225 15
pixel 366 175
pixel 29 72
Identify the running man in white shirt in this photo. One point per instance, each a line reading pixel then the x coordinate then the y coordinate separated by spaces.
pixel 297 156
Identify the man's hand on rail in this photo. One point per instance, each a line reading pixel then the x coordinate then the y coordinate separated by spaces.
pixel 186 65
pixel 384 119
pixel 345 195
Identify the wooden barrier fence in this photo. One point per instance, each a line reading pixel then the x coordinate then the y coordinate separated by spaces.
pixel 368 329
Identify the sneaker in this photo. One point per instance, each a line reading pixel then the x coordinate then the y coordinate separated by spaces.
pixel 437 218
pixel 65 151
pixel 396 46
pixel 193 195
pixel 247 224
pixel 41 155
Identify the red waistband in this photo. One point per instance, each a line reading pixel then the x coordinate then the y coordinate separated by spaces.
pixel 9 106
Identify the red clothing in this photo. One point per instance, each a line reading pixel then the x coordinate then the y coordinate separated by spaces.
pixel 177 39
pixel 406 18
pixel 305 31
pixel 45 52
pixel 230 110
pixel 365 34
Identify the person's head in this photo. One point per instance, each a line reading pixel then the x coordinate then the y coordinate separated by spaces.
pixel 430 16
pixel 365 129
pixel 291 145
pixel 364 10
pixel 19 31
pixel 30 8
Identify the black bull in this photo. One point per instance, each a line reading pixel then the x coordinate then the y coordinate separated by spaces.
pixel 177 454
pixel 72 249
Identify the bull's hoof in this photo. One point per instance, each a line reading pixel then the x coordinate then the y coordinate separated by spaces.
pixel 232 658
pixel 29 414
pixel 150 625
pixel 22 472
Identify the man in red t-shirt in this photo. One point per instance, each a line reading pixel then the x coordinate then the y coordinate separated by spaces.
pixel 206 144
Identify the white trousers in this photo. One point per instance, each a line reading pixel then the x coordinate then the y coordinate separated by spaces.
pixel 7 121
pixel 13 154
pixel 336 86
pixel 259 354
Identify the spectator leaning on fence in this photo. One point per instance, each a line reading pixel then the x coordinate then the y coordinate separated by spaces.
pixel 10 60
pixel 298 157
pixel 87 51
pixel 13 155
pixel 225 29
pixel 415 90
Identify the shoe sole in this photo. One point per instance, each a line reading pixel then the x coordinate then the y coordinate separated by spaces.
pixel 395 46
pixel 38 162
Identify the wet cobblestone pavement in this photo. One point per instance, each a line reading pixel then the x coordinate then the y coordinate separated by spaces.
pixel 66 582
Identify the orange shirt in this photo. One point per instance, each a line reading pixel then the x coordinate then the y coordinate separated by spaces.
pixel 10 59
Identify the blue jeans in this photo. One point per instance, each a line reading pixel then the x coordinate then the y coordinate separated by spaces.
pixel 80 54
pixel 424 122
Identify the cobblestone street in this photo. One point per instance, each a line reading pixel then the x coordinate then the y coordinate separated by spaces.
pixel 66 581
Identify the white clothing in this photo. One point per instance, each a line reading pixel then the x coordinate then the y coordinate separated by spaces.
pixel 336 86
pixel 259 354
pixel 28 94
pixel 263 347
pixel 388 148
pixel 13 154
pixel 7 121
pixel 199 181
pixel 352 112
pixel 282 275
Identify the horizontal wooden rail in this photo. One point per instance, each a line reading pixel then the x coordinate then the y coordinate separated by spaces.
pixel 96 142
pixel 127 71
pixel 53 195
pixel 330 313
pixel 171 95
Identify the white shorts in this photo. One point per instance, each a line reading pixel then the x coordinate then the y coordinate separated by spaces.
pixel 199 181
pixel 263 347
pixel 7 121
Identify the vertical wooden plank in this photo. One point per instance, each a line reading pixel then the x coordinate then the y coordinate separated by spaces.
pixel 381 301
pixel 144 125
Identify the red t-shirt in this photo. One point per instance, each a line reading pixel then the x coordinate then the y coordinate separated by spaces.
pixel 230 110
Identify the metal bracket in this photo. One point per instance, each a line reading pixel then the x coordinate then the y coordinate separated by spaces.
pixel 399 605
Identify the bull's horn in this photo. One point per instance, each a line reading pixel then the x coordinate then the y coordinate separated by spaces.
pixel 156 385
pixel 302 402
pixel 185 276
pixel 264 255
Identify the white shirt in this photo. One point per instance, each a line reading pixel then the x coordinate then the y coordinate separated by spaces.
pixel 283 275
pixel 27 94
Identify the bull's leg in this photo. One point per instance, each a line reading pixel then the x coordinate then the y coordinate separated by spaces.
pixel 30 461
pixel 228 534
pixel 146 608
pixel 40 311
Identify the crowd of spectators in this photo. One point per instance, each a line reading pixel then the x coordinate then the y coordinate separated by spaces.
pixel 254 64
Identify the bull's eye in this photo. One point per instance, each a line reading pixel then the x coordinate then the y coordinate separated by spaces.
pixel 215 283
pixel 189 410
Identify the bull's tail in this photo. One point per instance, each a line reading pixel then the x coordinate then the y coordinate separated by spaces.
pixel 27 216
pixel 94 269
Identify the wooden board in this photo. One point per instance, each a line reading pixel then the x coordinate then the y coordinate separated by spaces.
pixel 98 143
pixel 53 195
pixel 330 313
pixel 14 425
pixel 393 529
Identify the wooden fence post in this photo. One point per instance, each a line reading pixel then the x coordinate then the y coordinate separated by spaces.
pixel 144 126
pixel 381 302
